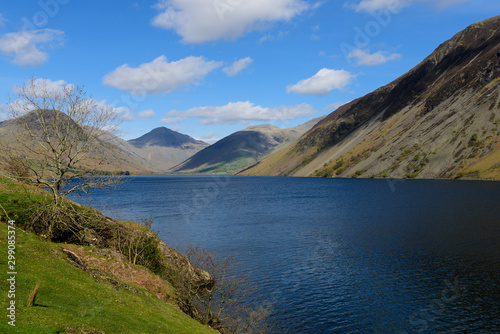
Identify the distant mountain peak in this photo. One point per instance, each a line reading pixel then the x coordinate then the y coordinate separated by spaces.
pixel 165 137
pixel 243 148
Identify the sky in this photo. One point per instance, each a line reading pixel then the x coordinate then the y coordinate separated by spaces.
pixel 208 68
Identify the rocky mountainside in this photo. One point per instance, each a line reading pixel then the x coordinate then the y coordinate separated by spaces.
pixel 439 120
pixel 163 148
pixel 243 148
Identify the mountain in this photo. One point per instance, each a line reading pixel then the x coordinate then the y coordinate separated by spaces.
pixel 243 148
pixel 166 138
pixel 163 148
pixel 439 120
pixel 120 160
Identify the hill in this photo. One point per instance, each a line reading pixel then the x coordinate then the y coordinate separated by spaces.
pixel 163 148
pixel 123 159
pixel 86 285
pixel 439 120
pixel 243 148
pixel 154 152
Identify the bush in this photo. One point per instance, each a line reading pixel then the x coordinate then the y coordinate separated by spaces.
pixel 360 172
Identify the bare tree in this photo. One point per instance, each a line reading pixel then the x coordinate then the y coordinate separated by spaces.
pixel 64 135
pixel 222 303
pixel 61 139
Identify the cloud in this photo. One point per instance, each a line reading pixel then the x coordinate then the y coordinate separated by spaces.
pixel 146 114
pixel 367 59
pixel 335 105
pixel 211 137
pixel 271 37
pixel 235 112
pixel 322 82
pixel 160 76
pixel 127 113
pixel 128 116
pixel 199 21
pixel 394 6
pixel 114 129
pixel 46 87
pixel 26 46
pixel 371 6
pixel 237 66
pixel 55 90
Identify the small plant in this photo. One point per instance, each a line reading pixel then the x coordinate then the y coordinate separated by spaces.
pixel 360 172
pixel 338 164
pixel 32 296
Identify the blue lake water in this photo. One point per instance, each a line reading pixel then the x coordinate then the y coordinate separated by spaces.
pixel 339 255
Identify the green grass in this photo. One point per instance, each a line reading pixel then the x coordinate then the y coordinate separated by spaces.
pixel 67 296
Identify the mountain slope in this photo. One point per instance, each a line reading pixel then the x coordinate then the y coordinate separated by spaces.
pixel 166 138
pixel 439 120
pixel 87 287
pixel 243 148
pixel 163 148
pixel 123 159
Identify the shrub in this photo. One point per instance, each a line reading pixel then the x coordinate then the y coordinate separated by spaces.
pixel 360 172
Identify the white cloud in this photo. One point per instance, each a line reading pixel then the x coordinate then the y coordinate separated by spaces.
pixel 146 114
pixel 335 105
pixel 237 66
pixel 365 58
pixel 45 86
pixel 322 82
pixel 177 128
pixel 211 137
pixel 128 116
pixel 127 113
pixel 199 21
pixel 53 89
pixel 160 76
pixel 171 120
pixel 371 6
pixel 114 129
pixel 394 6
pixel 235 112
pixel 271 37
pixel 26 46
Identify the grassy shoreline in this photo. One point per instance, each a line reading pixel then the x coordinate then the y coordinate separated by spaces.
pixel 111 296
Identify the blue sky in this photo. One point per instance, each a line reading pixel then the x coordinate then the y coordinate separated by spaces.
pixel 208 68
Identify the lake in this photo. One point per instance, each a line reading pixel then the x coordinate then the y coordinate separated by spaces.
pixel 339 255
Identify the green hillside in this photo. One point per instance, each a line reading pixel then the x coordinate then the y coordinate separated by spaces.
pixel 84 293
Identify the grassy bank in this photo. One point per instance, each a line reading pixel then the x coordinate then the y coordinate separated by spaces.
pixel 106 293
